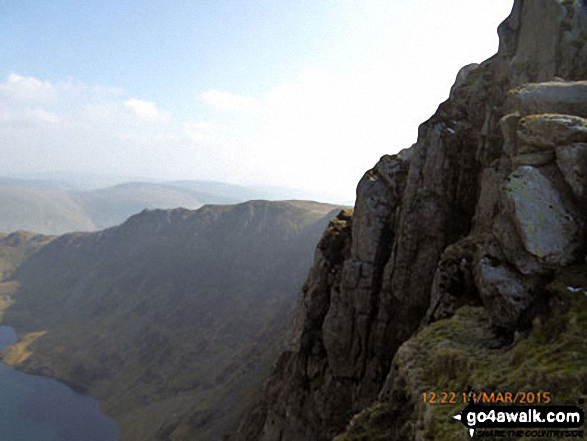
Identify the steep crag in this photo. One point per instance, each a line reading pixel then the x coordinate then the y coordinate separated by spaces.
pixel 475 225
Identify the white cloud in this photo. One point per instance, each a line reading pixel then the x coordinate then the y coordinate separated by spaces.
pixel 146 138
pixel 84 128
pixel 43 116
pixel 28 118
pixel 143 109
pixel 225 100
pixel 320 131
pixel 26 88
pixel 198 131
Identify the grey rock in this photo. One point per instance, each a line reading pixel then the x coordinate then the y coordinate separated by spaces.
pixel 509 127
pixel 545 225
pixel 572 161
pixel 488 202
pixel 569 98
pixel 379 189
pixel 534 159
pixel 547 131
pixel 573 42
pixel 503 292
pixel 535 58
pixel 462 76
pixel 514 252
pixel 453 285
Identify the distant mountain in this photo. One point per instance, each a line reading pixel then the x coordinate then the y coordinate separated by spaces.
pixel 113 205
pixel 58 207
pixel 170 319
pixel 40 210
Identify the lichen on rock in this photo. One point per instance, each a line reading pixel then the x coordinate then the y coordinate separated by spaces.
pixel 545 224
pixel 546 131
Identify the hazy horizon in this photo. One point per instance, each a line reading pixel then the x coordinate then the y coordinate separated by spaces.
pixel 304 95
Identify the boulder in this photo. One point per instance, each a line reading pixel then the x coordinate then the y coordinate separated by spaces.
pixel 544 222
pixel 534 159
pixel 547 131
pixel 572 162
pixel 512 247
pixel 565 97
pixel 453 285
pixel 503 292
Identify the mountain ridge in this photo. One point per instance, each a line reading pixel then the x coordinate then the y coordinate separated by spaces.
pixel 170 318
pixel 55 207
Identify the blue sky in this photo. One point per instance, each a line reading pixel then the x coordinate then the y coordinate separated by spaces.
pixel 303 94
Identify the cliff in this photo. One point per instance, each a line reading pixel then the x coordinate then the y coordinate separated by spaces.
pixel 464 242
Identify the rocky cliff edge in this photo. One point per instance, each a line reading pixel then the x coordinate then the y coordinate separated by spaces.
pixel 467 242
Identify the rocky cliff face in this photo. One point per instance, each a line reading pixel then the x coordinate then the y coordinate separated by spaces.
pixel 483 212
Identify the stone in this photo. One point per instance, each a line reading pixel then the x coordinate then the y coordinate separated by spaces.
pixel 545 225
pixel 572 162
pixel 538 40
pixel 574 41
pixel 453 285
pixel 509 127
pixel 502 291
pixel 534 159
pixel 547 131
pixel 569 98
pixel 462 76
pixel 489 195
pixel 377 196
pixel 514 252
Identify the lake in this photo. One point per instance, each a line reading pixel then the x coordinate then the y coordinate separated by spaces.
pixel 34 408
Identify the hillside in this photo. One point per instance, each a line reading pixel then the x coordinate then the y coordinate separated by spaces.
pixel 113 205
pixel 15 249
pixel 57 207
pixel 40 210
pixel 463 266
pixel 171 319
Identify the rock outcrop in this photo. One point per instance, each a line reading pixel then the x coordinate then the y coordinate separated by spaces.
pixel 482 212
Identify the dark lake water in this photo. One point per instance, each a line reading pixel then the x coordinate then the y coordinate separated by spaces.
pixel 34 408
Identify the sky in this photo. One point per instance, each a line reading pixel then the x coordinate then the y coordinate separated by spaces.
pixel 301 94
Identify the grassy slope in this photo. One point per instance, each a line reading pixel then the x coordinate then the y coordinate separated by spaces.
pixel 15 248
pixel 457 353
pixel 172 318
